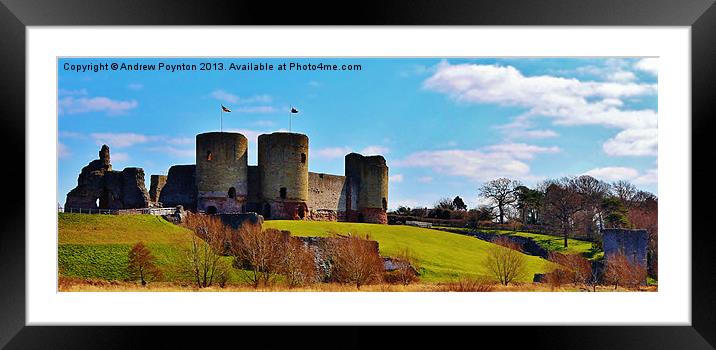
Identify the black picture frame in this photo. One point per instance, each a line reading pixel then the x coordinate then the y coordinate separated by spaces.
pixel 16 15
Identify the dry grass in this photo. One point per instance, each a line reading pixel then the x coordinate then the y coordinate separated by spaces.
pixel 86 285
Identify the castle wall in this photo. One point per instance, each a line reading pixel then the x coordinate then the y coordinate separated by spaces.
pixel 326 197
pixel 283 175
pixel 156 183
pixel 221 172
pixel 180 188
pixel 633 243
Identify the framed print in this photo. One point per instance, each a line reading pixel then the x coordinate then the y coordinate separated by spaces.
pixel 468 165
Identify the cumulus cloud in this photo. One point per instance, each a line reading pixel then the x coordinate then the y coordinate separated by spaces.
pixel 633 142
pixel 331 152
pixel 177 152
pixel 613 173
pixel 502 160
pixel 119 157
pixel 339 152
pixel 566 101
pixel 62 150
pixel 610 174
pixel 119 139
pixel 228 97
pixel 649 65
pixel 74 105
pixel 374 150
pixel 396 178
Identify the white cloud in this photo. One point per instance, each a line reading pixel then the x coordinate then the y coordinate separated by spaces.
pixel 613 173
pixel 65 92
pixel 119 140
pixel 177 152
pixel 649 65
pixel 62 150
pixel 566 101
pixel 255 110
pixel 396 178
pixel 502 160
pixel 521 150
pixel 228 97
pixel 135 86
pixel 425 179
pixel 633 142
pixel 119 157
pixel 72 105
pixel 224 96
pixel 331 152
pixel 610 174
pixel 650 177
pixel 374 150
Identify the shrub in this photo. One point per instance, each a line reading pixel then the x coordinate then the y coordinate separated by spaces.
pixel 355 260
pixel 406 271
pixel 205 255
pixel 468 285
pixel 505 261
pixel 620 271
pixel 142 264
pixel 298 264
pixel 261 253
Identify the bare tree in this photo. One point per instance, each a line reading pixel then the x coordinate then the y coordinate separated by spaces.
pixel 502 192
pixel 593 193
pixel 620 271
pixel 205 256
pixel 505 261
pixel 142 264
pixel 562 202
pixel 625 191
pixel 260 253
pixel 298 264
pixel 355 260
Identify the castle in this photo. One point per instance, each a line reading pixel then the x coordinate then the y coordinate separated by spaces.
pixel 221 182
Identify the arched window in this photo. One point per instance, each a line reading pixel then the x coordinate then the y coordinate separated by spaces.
pixel 282 192
pixel 385 204
pixel 208 155
pixel 303 158
pixel 232 192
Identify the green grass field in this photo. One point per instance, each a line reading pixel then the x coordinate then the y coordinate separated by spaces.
pixel 96 246
pixel 443 256
pixel 549 242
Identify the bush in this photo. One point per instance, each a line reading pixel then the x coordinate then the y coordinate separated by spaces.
pixel 205 261
pixel 468 285
pixel 620 271
pixel 142 264
pixel 355 260
pixel 261 253
pixel 298 264
pixel 406 271
pixel 505 261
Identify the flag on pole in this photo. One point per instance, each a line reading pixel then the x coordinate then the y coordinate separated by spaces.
pixel 224 109
pixel 294 110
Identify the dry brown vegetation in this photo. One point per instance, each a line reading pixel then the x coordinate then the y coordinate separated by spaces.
pixel 142 264
pixel 355 260
pixel 469 285
pixel 66 284
pixel 505 260
pixel 406 271
pixel 204 257
pixel 621 272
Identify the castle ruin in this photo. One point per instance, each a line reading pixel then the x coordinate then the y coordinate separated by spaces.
pixel 278 187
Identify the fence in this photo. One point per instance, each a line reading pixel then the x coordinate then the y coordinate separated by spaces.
pixel 150 211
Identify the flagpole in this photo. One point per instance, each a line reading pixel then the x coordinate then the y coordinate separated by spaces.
pixel 289 120
pixel 221 122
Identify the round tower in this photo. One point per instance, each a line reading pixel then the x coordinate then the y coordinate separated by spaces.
pixel 367 189
pixel 283 175
pixel 221 172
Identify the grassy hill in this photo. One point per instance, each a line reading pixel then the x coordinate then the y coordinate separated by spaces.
pixel 96 246
pixel 443 255
pixel 549 242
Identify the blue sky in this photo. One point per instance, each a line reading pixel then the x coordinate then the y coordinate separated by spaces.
pixel 444 125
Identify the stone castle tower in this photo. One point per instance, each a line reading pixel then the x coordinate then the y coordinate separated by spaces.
pixel 221 182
